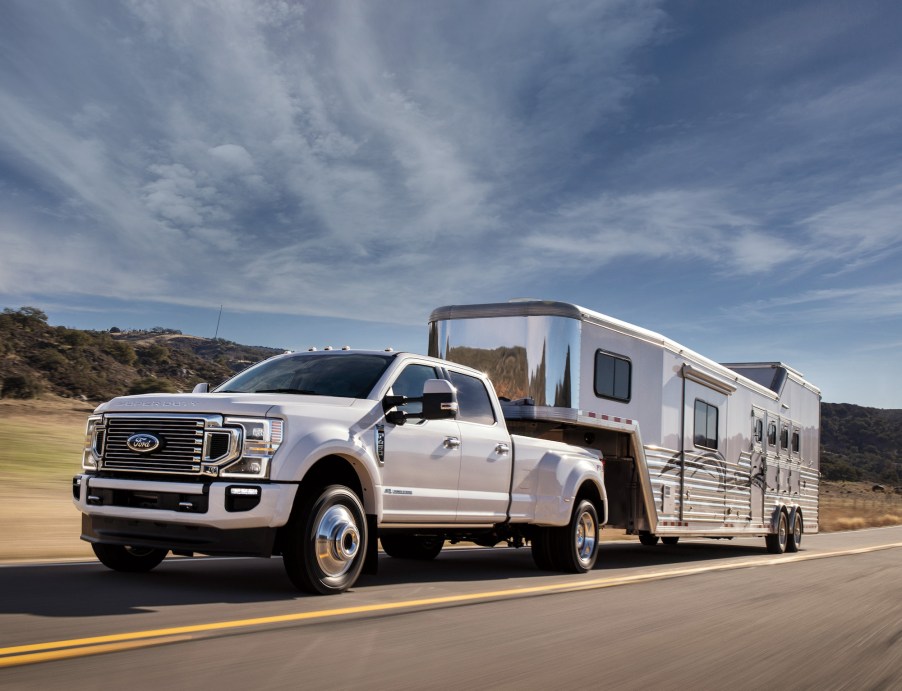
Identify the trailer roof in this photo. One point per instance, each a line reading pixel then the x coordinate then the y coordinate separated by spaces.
pixel 551 308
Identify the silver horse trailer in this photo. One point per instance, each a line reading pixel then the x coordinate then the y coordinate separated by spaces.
pixel 691 447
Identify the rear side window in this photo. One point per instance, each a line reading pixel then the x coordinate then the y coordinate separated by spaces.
pixel 613 375
pixel 473 400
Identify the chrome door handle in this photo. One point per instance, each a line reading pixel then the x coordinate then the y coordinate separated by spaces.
pixel 502 449
pixel 452 443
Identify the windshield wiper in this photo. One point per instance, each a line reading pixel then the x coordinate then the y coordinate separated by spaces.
pixel 297 391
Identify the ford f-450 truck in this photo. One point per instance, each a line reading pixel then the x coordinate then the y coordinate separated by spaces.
pixel 314 456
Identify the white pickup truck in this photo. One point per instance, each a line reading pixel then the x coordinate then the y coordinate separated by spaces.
pixel 315 455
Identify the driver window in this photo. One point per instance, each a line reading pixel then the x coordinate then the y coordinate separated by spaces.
pixel 410 383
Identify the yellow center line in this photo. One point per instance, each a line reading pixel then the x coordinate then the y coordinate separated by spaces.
pixel 85 651
pixel 24 654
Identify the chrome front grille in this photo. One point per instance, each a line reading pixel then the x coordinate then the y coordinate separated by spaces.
pixel 181 446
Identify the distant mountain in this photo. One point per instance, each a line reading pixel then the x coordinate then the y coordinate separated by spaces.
pixel 856 443
pixel 97 365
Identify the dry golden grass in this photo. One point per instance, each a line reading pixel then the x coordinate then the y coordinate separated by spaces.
pixel 40 447
pixel 854 505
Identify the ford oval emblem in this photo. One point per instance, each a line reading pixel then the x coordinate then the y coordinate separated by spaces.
pixel 142 443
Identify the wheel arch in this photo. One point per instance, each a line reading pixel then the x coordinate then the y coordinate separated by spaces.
pixel 774 524
pixel 590 490
pixel 339 469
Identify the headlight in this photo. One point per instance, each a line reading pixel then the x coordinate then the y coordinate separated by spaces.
pixel 260 438
pixel 93 447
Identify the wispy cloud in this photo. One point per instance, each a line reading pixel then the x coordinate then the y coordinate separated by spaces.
pixel 358 160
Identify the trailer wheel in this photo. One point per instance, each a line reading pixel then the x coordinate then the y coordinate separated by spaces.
pixel 421 547
pixel 776 543
pixel 326 541
pixel 670 540
pixel 794 536
pixel 541 549
pixel 648 539
pixel 127 558
pixel 574 547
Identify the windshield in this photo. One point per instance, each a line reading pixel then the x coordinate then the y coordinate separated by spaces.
pixel 347 375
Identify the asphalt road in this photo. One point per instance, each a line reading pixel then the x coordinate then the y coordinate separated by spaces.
pixel 700 615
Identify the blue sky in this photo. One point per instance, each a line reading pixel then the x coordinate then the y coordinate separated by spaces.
pixel 725 173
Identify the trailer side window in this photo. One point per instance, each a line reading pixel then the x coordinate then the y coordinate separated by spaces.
pixel 784 438
pixel 796 441
pixel 759 430
pixel 705 425
pixel 771 433
pixel 613 376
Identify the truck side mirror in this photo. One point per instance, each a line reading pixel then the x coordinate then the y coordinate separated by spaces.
pixel 439 400
pixel 203 387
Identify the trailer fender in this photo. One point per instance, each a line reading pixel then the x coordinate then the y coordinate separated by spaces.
pixel 775 519
pixel 794 513
pixel 560 477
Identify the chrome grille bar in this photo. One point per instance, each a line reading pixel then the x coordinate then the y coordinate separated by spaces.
pixel 181 442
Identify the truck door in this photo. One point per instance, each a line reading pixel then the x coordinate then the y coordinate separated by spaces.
pixel 486 454
pixel 421 458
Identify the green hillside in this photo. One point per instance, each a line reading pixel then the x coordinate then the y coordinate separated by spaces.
pixel 97 365
pixel 860 443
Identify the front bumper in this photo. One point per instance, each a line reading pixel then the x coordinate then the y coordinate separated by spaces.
pixel 213 518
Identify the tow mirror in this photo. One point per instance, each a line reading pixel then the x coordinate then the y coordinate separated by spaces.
pixel 439 400
pixel 203 387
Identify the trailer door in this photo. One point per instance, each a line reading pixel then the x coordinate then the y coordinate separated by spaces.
pixel 704 469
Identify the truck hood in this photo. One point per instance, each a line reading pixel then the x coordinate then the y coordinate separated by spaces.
pixel 250 404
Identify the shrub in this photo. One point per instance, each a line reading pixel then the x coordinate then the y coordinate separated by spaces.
pixel 151 385
pixel 21 386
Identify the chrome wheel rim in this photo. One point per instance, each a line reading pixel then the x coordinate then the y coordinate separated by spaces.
pixel 337 540
pixel 797 531
pixel 586 537
pixel 783 532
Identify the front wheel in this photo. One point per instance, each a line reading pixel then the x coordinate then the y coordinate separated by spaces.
pixel 127 558
pixel 574 547
pixel 648 539
pixel 326 541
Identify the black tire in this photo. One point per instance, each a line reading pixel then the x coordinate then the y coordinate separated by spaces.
pixel 325 543
pixel 541 549
pixel 419 547
pixel 128 559
pixel 794 536
pixel 776 543
pixel 648 539
pixel 574 547
pixel 670 540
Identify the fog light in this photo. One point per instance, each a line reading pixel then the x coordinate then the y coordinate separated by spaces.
pixel 240 498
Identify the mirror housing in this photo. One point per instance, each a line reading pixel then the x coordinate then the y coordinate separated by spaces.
pixel 439 400
pixel 203 387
